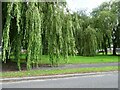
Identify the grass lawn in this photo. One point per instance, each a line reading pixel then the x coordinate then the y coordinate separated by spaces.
pixel 95 59
pixel 79 59
pixel 55 72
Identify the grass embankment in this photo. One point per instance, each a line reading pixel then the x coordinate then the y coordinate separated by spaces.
pixel 78 59
pixel 55 72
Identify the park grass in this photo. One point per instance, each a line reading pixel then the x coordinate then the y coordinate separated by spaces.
pixel 95 59
pixel 55 72
pixel 78 59
pixel 84 60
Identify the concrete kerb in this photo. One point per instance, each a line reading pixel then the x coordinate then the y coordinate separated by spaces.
pixel 51 76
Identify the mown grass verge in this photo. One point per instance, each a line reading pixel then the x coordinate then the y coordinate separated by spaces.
pixel 55 72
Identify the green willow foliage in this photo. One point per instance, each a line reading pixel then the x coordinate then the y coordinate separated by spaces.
pixel 59 34
pixel 33 31
pixel 90 42
pixel 78 34
pixel 6 30
pixel 68 37
pixel 17 14
pixel 36 24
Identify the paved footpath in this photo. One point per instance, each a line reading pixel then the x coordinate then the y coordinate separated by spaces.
pixel 69 66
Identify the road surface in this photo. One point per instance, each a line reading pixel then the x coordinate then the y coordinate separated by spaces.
pixel 109 80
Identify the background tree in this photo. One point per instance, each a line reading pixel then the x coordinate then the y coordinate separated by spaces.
pixel 104 20
pixel 116 31
pixel 90 42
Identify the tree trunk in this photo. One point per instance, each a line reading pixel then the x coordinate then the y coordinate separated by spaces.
pixel 114 41
pixel 106 50
pixel 6 56
pixel 114 48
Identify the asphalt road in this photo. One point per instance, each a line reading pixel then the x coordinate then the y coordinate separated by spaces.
pixel 109 80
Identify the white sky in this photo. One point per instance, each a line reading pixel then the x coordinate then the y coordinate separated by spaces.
pixel 75 5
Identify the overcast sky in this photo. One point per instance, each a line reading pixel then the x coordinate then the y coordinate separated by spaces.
pixel 75 5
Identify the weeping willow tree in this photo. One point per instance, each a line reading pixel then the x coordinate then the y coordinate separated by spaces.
pixel 90 42
pixel 51 33
pixel 14 24
pixel 85 36
pixel 12 32
pixel 34 24
pixel 12 8
pixel 17 44
pixel 33 35
pixel 77 32
pixel 6 30
pixel 67 38
pixel 71 40
pixel 57 33
pixel 54 32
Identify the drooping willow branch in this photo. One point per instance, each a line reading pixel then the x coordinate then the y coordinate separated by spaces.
pixel 6 30
pixel 33 35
